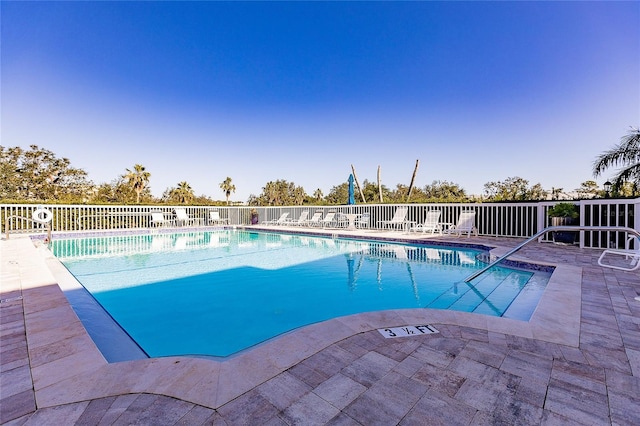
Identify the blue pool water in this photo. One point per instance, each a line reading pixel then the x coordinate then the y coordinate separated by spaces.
pixel 216 293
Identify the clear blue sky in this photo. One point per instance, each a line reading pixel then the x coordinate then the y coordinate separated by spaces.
pixel 259 91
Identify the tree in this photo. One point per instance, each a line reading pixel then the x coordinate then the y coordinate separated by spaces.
pixel 536 192
pixel 628 189
pixel 589 189
pixel 271 193
pixel 183 194
pixel 203 200
pixel 400 194
pixel 114 192
pixel 372 192
pixel 555 193
pixel 444 191
pixel 338 194
pixel 418 195
pixel 280 193
pixel 298 195
pixel 253 200
pixel 317 195
pixel 38 174
pixel 227 187
pixel 12 175
pixel 625 155
pixel 513 189
pixel 138 179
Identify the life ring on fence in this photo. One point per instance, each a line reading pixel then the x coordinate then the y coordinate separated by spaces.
pixel 42 215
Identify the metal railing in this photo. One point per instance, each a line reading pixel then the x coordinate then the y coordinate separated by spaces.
pixel 38 225
pixel 539 234
pixel 520 220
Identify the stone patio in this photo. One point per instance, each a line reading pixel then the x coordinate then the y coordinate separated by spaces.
pixel 577 361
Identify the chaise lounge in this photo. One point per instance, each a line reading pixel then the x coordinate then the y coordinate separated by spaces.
pixel 182 218
pixel 215 219
pixel 281 220
pixel 466 224
pixel 431 223
pixel 158 220
pixel 399 218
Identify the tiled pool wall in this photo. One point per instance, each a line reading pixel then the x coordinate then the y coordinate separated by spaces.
pixel 483 257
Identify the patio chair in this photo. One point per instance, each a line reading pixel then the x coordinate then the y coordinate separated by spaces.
pixel 300 221
pixel 362 221
pixel 158 219
pixel 215 219
pixel 627 253
pixel 282 219
pixel 399 218
pixel 314 221
pixel 466 224
pixel 329 219
pixel 342 221
pixel 183 218
pixel 431 223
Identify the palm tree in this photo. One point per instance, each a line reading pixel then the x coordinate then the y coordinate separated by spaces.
pixel 183 193
pixel 626 155
pixel 272 194
pixel 138 178
pixel 227 187
pixel 299 195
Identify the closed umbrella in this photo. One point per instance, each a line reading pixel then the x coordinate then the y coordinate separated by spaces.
pixel 352 198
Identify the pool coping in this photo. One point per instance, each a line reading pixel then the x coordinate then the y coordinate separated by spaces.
pixel 67 367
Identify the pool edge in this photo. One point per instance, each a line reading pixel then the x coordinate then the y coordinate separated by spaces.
pixel 212 383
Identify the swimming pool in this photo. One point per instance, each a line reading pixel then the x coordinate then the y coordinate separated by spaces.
pixel 216 293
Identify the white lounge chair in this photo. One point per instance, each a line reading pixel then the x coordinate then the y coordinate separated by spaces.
pixel 183 218
pixel 215 219
pixel 300 221
pixel 342 221
pixel 328 220
pixel 158 219
pixel 431 223
pixel 362 221
pixel 282 219
pixel 399 218
pixel 629 254
pixel 466 224
pixel 314 221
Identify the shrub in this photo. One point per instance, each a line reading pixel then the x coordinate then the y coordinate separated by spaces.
pixel 563 210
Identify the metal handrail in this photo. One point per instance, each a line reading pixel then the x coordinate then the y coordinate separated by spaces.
pixel 544 231
pixel 8 223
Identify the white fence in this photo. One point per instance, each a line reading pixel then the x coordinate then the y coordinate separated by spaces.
pixel 519 220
